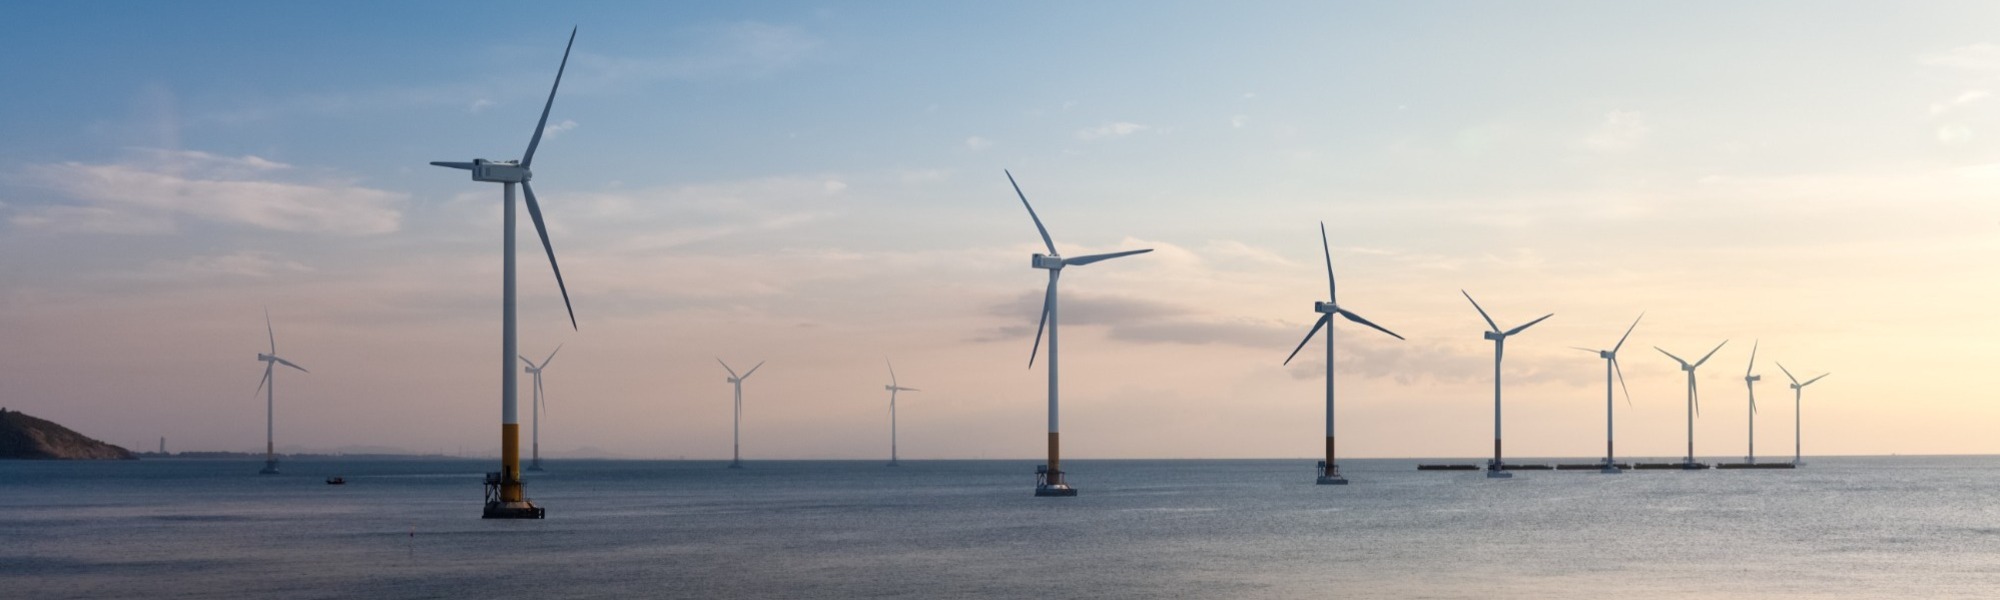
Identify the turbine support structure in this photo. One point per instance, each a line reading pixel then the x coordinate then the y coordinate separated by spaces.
pixel 504 497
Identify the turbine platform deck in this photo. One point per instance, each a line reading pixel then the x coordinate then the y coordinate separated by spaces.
pixel 1057 492
pixel 1448 467
pixel 496 510
pixel 1596 466
pixel 1681 466
pixel 1756 466
pixel 1508 467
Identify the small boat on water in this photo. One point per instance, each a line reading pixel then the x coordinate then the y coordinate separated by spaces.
pixel 336 480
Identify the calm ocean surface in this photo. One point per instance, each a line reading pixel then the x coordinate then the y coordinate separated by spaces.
pixel 1920 527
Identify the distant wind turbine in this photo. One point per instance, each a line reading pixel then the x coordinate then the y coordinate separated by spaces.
pixel 893 387
pixel 1798 415
pixel 1329 471
pixel 1611 366
pixel 1694 399
pixel 1496 469
pixel 736 446
pixel 1750 382
pixel 1051 481
pixel 504 497
pixel 269 385
pixel 535 463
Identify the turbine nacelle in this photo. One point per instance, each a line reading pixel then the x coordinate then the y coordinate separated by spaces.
pixel 1607 355
pixel 1047 261
pixel 1753 378
pixel 508 171
pixel 1326 308
pixel 266 357
pixel 1493 335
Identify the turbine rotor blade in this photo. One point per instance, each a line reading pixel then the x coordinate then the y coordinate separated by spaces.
pixel 1357 318
pixel 542 229
pixel 1585 349
pixel 1031 214
pixel 270 332
pixel 1332 294
pixel 1482 312
pixel 1527 325
pixel 1048 298
pixel 531 364
pixel 1809 381
pixel 725 367
pixel 1620 370
pixel 453 165
pixel 1671 355
pixel 1753 359
pixel 261 382
pixel 289 364
pixel 1084 260
pixel 1628 333
pixel 753 370
pixel 892 371
pixel 1704 357
pixel 533 142
pixel 1788 374
pixel 1322 322
pixel 552 356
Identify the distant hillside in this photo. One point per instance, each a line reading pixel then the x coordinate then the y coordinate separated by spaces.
pixel 25 437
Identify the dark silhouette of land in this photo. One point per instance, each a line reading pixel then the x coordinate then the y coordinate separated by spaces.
pixel 26 437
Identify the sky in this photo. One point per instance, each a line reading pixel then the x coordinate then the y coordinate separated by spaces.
pixel 820 186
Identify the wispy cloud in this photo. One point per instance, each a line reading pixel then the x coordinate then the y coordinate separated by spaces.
pixel 976 143
pixel 1982 56
pixel 147 193
pixel 558 128
pixel 1619 130
pixel 1111 130
pixel 1962 99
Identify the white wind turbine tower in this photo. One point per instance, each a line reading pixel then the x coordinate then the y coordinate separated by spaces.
pixel 504 499
pixel 1750 382
pixel 1798 416
pixel 269 385
pixel 535 444
pixel 893 387
pixel 1329 471
pixel 1611 366
pixel 736 445
pixel 1496 468
pixel 1694 399
pixel 1050 480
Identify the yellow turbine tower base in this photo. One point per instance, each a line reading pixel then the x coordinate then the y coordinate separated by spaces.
pixel 503 488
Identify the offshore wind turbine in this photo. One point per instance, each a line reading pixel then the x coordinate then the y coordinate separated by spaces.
pixel 736 445
pixel 1694 399
pixel 893 387
pixel 538 409
pixel 1611 366
pixel 1798 417
pixel 1750 382
pixel 1329 471
pixel 1496 469
pixel 269 385
pixel 1049 477
pixel 504 499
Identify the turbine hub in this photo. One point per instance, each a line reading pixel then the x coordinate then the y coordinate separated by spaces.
pixel 1045 261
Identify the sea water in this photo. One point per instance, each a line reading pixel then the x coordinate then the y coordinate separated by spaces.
pixel 1910 527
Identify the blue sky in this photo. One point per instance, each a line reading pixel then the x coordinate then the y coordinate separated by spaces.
pixel 821 184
